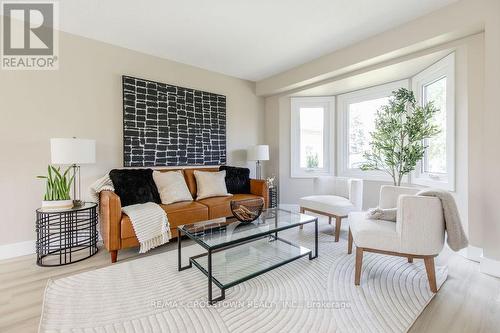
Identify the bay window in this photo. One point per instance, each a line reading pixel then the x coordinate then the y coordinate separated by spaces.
pixel 314 123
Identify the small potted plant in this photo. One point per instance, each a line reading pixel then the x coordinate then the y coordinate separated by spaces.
pixel 57 189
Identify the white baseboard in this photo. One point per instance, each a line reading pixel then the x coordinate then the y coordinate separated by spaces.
pixel 17 249
pixel 490 266
pixel 472 253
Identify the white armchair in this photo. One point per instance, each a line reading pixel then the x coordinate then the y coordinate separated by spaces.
pixel 417 233
pixel 334 197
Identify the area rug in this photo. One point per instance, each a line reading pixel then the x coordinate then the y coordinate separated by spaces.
pixel 149 295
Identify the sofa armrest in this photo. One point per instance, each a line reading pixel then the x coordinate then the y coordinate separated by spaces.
pixel 259 187
pixel 110 213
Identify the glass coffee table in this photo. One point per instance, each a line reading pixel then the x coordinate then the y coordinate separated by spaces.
pixel 237 252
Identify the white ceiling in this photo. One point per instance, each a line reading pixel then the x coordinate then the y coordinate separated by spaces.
pixel 249 39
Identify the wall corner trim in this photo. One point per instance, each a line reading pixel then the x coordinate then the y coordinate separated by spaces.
pixel 490 266
pixel 17 249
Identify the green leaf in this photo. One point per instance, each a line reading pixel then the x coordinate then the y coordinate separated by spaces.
pixel 58 185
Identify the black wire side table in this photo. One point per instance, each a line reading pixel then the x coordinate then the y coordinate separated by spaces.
pixel 66 236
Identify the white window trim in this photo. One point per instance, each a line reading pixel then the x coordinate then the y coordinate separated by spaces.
pixel 444 67
pixel 343 102
pixel 328 145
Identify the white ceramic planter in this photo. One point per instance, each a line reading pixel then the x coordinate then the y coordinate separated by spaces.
pixel 57 204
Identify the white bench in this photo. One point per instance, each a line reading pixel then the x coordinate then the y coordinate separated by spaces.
pixel 334 197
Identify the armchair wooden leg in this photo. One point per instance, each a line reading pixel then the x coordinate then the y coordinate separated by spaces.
pixel 302 211
pixel 349 242
pixel 410 259
pixel 338 221
pixel 359 263
pixel 114 255
pixel 329 220
pixel 431 273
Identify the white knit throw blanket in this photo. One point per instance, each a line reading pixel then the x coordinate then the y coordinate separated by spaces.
pixel 457 239
pixel 149 220
pixel 150 224
pixel 102 184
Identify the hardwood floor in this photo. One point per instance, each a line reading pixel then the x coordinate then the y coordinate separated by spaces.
pixel 469 301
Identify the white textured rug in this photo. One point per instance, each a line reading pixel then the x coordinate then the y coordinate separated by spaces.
pixel 150 295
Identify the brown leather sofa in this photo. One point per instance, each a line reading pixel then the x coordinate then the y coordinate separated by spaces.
pixel 116 228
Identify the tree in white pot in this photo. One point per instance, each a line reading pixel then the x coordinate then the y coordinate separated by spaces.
pixel 399 140
pixel 57 188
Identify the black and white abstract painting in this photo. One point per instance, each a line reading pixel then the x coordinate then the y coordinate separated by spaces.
pixel 167 125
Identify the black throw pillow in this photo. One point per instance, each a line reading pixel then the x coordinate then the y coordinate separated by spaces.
pixel 134 186
pixel 237 179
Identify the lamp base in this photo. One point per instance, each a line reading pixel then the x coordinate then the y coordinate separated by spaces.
pixel 258 170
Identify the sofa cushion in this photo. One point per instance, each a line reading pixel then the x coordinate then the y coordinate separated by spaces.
pixel 134 186
pixel 330 204
pixel 191 181
pixel 210 184
pixel 221 206
pixel 171 186
pixel 178 213
pixel 185 212
pixel 237 179
pixel 374 234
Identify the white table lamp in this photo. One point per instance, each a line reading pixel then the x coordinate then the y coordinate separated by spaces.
pixel 74 152
pixel 258 153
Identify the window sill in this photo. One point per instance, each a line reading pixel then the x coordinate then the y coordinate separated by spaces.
pixel 443 185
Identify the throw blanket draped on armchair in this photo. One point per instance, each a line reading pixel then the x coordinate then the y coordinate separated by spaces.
pixel 456 238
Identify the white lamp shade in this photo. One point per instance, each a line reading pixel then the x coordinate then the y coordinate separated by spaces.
pixel 72 151
pixel 258 153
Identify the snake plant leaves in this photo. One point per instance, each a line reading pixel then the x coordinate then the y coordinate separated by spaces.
pixel 58 185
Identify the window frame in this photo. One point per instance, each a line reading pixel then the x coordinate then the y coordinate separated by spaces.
pixel 328 103
pixel 343 102
pixel 442 68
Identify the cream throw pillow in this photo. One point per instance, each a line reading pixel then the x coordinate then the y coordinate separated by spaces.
pixel 210 184
pixel 171 186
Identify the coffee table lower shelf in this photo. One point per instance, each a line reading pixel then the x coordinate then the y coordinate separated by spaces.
pixel 227 267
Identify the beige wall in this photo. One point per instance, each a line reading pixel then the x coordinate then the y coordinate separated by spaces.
pixel 83 99
pixel 488 166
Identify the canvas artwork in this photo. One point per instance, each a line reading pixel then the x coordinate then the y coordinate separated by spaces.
pixel 167 125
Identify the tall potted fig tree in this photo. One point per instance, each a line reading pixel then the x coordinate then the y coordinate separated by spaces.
pixel 398 142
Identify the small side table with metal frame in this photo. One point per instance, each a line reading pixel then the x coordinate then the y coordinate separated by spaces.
pixel 66 236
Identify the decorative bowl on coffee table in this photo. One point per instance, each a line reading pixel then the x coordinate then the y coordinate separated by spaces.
pixel 247 210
